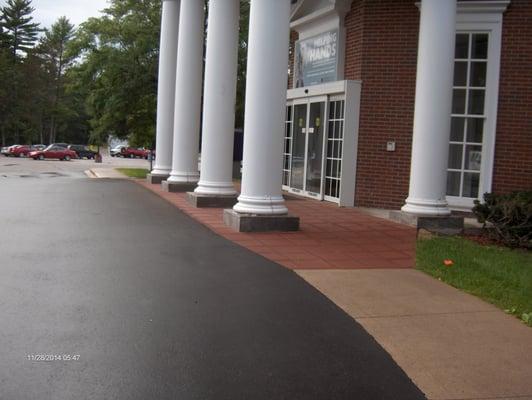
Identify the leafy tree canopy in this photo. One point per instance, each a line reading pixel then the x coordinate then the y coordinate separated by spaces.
pixel 19 32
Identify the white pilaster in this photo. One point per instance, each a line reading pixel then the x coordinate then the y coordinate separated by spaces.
pixel 166 87
pixel 219 99
pixel 267 72
pixel 432 117
pixel 187 112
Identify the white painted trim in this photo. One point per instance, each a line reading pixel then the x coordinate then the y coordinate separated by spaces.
pixel 349 91
pixel 477 7
pixel 471 22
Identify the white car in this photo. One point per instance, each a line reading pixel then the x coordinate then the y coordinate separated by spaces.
pixel 116 151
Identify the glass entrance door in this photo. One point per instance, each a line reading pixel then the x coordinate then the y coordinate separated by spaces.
pixel 297 177
pixel 315 137
pixel 306 161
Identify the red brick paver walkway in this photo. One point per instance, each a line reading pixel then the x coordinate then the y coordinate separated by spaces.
pixel 330 237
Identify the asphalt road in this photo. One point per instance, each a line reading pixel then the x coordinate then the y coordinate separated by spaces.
pixel 158 307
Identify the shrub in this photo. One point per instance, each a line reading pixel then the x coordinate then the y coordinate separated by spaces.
pixel 511 217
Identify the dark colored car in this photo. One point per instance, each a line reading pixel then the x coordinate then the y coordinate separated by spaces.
pixel 82 151
pixel 54 151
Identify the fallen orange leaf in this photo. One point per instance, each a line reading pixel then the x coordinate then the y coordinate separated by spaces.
pixel 448 263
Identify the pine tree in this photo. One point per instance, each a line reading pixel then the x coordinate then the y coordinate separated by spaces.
pixel 18 29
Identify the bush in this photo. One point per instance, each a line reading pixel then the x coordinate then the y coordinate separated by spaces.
pixel 511 217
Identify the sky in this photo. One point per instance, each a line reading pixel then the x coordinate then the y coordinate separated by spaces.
pixel 47 11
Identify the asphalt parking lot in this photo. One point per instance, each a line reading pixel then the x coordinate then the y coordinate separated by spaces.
pixel 109 292
pixel 13 167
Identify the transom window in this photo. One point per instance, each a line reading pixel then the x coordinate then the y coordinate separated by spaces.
pixel 468 114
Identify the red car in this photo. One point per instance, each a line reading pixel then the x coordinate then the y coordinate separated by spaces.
pixel 19 151
pixel 54 151
pixel 132 152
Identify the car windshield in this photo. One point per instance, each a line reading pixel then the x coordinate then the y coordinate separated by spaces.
pixel 49 147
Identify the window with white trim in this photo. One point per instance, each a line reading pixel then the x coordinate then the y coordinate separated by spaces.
pixel 468 114
pixel 335 137
pixel 287 152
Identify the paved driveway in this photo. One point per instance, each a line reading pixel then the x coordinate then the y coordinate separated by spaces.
pixel 159 307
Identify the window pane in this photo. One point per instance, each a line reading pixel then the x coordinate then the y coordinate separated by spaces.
pixel 471 183
pixel 478 74
pixel 462 45
pixel 455 156
pixel 459 96
pixel 339 110
pixel 340 129
pixel 289 113
pixel 476 102
pixel 473 157
pixel 453 183
pixel 332 105
pixel 339 144
pixel 479 46
pixel 475 130
pixel 330 133
pixel 460 73
pixel 457 129
pixel 334 188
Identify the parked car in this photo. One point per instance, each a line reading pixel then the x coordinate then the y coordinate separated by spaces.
pixel 54 151
pixel 19 151
pixel 132 152
pixel 6 151
pixel 82 151
pixel 116 151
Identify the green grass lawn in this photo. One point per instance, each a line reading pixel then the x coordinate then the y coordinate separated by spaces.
pixel 134 172
pixel 498 275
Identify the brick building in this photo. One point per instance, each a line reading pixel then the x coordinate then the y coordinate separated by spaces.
pixel 490 143
pixel 418 105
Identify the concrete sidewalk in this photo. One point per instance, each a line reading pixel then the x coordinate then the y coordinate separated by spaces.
pixel 451 344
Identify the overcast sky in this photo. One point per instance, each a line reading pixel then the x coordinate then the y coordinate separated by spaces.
pixel 47 11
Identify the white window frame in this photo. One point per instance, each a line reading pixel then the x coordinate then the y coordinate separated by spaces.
pixel 484 17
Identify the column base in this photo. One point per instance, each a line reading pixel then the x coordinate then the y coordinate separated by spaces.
pixel 444 224
pixel 178 187
pixel 156 179
pixel 199 200
pixel 260 223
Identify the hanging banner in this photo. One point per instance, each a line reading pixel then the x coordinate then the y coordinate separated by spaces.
pixel 316 59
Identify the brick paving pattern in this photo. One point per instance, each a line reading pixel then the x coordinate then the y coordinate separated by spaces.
pixel 330 237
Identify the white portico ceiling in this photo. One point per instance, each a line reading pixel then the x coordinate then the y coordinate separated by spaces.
pixel 305 11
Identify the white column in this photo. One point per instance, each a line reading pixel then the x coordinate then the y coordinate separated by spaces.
pixel 166 87
pixel 267 72
pixel 219 99
pixel 432 116
pixel 187 112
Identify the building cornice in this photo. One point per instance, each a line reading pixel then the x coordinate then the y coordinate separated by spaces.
pixel 480 7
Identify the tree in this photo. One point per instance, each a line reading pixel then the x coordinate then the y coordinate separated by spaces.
pixel 56 60
pixel 19 31
pixel 18 36
pixel 120 58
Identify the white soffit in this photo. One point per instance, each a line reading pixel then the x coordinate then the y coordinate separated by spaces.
pixel 308 11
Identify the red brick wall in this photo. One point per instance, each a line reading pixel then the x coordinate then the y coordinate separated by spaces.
pixel 382 52
pixel 513 148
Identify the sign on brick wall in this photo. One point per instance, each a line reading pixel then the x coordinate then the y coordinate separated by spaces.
pixel 316 59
